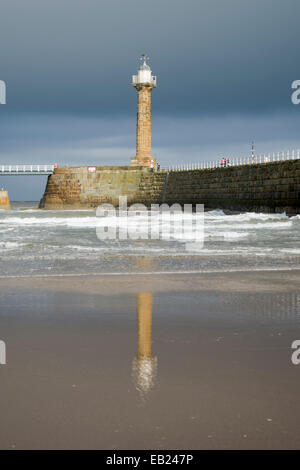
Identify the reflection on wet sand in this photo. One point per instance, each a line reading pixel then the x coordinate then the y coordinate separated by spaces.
pixel 226 379
pixel 144 366
pixel 145 264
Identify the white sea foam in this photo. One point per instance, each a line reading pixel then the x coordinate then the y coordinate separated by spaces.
pixel 221 217
pixel 33 240
pixel 5 246
pixel 5 230
pixel 255 225
pixel 229 235
pixel 215 213
pixel 294 251
pixel 76 222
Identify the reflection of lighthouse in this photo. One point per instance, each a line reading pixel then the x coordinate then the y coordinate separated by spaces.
pixel 144 365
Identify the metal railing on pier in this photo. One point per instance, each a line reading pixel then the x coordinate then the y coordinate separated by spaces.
pixel 26 169
pixel 251 160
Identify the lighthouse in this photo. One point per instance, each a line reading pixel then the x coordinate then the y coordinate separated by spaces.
pixel 144 82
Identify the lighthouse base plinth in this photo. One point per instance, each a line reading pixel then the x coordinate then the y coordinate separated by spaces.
pixel 147 162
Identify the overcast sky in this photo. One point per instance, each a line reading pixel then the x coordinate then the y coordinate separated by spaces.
pixel 224 69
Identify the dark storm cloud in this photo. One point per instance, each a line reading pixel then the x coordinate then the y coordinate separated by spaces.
pixel 211 56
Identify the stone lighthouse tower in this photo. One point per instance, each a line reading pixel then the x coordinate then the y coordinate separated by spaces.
pixel 144 82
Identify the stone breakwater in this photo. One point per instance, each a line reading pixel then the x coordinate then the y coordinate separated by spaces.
pixel 267 187
pixel 4 200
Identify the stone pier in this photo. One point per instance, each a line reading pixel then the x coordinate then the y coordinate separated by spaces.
pixel 265 187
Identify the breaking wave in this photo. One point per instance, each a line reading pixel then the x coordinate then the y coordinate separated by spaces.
pixel 33 240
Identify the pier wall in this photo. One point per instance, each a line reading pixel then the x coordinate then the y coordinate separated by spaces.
pixel 267 187
pixel 76 187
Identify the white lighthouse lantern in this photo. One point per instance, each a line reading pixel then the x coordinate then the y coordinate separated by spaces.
pixel 144 75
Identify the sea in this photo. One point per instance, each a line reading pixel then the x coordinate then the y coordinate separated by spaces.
pixel 36 242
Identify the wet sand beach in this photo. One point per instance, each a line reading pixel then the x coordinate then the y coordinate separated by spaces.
pixel 150 361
